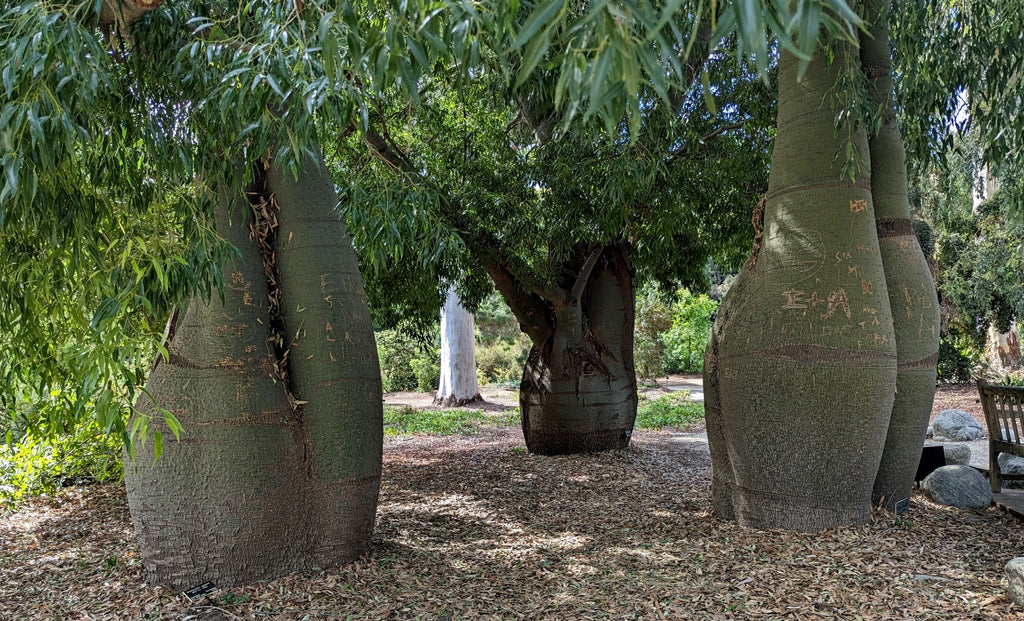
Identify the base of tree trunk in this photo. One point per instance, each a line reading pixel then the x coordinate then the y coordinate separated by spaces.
pixel 569 443
pixel 595 413
pixel 451 401
pixel 762 509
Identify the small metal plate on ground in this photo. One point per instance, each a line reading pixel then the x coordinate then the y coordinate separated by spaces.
pixel 200 590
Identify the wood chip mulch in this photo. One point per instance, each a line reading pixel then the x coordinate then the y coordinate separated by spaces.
pixel 472 527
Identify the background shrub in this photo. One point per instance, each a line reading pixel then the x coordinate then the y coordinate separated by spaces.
pixel 501 347
pixel 409 362
pixel 671 331
pixel 500 361
pixel 30 466
pixel 653 319
pixel 687 337
pixel 674 410
pixel 396 350
pixel 959 356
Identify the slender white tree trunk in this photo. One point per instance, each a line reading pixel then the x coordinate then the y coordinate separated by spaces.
pixel 458 354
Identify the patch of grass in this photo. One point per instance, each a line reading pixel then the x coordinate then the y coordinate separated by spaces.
pixel 407 420
pixel 674 410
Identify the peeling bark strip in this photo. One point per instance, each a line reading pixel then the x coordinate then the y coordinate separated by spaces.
pixel 263 233
pixel 757 220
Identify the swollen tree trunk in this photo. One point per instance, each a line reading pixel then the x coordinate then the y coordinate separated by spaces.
pixel 912 297
pixel 806 357
pixel 578 392
pixel 457 385
pixel 722 475
pixel 277 387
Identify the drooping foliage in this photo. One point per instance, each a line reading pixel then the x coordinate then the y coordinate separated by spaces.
pixel 124 131
pixel 115 140
pixel 960 65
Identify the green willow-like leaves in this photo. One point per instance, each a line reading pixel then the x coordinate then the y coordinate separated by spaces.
pixel 476 174
pixel 961 65
pixel 112 148
pixel 607 53
pixel 100 237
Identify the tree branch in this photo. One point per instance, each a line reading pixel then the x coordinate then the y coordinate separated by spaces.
pixel 382 149
pixel 529 309
pixel 122 13
pixel 718 132
pixel 584 276
pixel 525 296
pixel 698 56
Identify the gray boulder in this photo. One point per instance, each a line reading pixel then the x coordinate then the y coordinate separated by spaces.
pixel 1008 435
pixel 957 426
pixel 958 486
pixel 957 454
pixel 1015 577
pixel 1011 464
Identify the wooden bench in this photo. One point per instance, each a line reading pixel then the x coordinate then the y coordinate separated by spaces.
pixel 1004 415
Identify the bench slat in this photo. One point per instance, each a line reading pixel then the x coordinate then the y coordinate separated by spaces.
pixel 1004 410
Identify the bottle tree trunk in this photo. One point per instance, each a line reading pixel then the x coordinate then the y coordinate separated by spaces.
pixel 458 383
pixel 722 476
pixel 806 355
pixel 276 383
pixel 578 392
pixel 912 297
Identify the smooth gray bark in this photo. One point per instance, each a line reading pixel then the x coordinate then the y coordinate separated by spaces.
pixel 278 467
pixel 805 370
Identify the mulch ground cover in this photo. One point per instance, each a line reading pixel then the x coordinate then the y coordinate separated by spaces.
pixel 473 527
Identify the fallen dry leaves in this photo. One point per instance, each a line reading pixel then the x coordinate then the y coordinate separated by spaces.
pixel 472 527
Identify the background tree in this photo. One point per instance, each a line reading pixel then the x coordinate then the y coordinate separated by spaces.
pixel 458 381
pixel 977 257
pixel 556 216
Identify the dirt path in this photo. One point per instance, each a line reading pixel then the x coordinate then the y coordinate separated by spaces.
pixel 500 399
